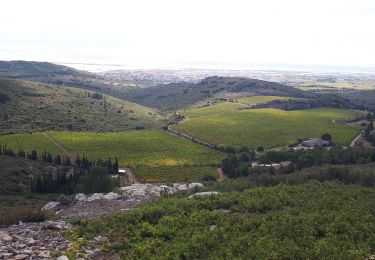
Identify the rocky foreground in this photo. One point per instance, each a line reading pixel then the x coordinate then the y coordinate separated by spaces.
pixel 46 240
pixel 34 240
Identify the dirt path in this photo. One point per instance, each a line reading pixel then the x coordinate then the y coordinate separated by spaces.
pixel 190 138
pixel 356 139
pixel 66 152
pixel 221 174
pixel 132 179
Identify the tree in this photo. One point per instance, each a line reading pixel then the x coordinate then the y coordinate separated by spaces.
pixel 326 137
pixel 371 126
pixel 96 180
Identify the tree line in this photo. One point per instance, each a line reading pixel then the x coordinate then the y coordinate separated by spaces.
pixel 239 164
pixel 68 176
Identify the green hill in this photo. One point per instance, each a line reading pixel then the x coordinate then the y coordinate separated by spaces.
pixel 61 75
pixel 28 106
pixel 28 69
pixel 180 95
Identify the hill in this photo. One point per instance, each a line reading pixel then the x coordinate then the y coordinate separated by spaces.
pixel 61 75
pixel 175 96
pixel 365 99
pixel 27 106
pixel 16 173
pixel 30 69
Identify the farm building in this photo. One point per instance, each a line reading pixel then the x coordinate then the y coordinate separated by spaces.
pixel 121 171
pixel 311 144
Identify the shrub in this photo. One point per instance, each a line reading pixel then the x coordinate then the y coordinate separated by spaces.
pixel 97 180
pixel 208 177
pixel 24 214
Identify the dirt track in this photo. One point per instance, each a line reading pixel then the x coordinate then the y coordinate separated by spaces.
pixel 66 152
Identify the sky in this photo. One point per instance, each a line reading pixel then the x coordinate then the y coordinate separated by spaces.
pixel 190 33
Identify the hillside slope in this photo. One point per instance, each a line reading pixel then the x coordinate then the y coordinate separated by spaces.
pixel 61 75
pixel 180 95
pixel 28 106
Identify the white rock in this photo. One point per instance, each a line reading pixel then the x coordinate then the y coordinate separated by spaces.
pixel 44 254
pixel 212 227
pixel 202 194
pixel 51 205
pixel 63 257
pixel 195 185
pixel 95 196
pixel 53 225
pixel 21 257
pixel 80 197
pixel 4 236
pixel 111 196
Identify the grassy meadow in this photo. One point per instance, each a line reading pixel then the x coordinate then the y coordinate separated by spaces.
pixel 265 127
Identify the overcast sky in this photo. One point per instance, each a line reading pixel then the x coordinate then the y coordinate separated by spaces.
pixel 196 33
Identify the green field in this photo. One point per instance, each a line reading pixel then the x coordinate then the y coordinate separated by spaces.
pixel 152 154
pixel 209 110
pixel 265 99
pixel 265 127
pixel 29 142
pixel 150 147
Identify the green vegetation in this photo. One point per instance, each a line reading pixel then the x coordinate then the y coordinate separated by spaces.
pixel 314 220
pixel 214 109
pixel 153 154
pixel 149 147
pixel 40 107
pixel 266 127
pixel 29 142
pixel 265 99
pixel 16 173
pixel 61 75
pixel 179 173
pixel 96 180
pixel 16 200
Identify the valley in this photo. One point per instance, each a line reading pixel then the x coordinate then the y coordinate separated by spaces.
pixel 147 168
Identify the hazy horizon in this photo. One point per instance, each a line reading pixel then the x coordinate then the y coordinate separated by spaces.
pixel 287 35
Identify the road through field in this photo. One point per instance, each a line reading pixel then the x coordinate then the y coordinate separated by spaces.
pixel 67 153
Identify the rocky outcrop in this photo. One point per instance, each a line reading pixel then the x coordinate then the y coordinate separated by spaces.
pixel 52 205
pixel 33 240
pixel 105 204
